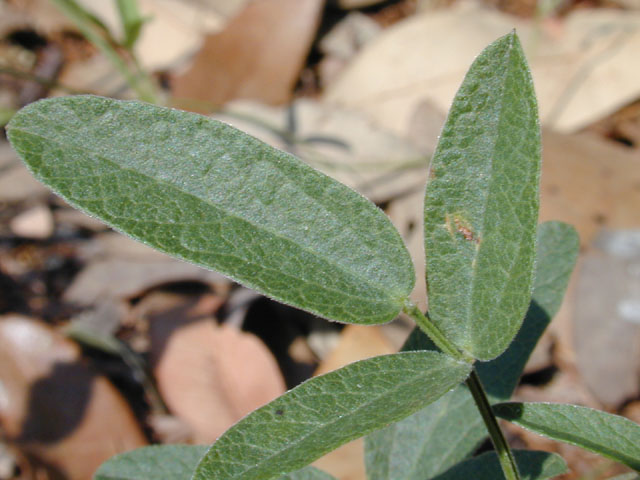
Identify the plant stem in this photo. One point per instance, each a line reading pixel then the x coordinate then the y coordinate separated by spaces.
pixel 507 462
pixel 434 333
pixel 140 83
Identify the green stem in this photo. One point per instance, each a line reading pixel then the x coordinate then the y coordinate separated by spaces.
pixel 141 84
pixel 434 333
pixel 507 462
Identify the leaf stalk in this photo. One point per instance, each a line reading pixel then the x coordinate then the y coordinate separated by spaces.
pixel 505 455
pixel 434 333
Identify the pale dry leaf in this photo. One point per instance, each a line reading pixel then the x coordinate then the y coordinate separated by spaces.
pixel 343 42
pixel 409 63
pixel 357 342
pixel 175 29
pixel 210 376
pixel 119 278
pixel 589 183
pixel 584 68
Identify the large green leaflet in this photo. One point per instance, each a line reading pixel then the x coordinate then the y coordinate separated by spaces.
pixel 173 462
pixel 531 464
pixel 328 411
pixel 481 204
pixel 448 430
pixel 609 435
pixel 209 194
pixel 158 462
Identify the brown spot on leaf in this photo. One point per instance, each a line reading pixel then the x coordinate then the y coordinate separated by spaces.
pixel 455 223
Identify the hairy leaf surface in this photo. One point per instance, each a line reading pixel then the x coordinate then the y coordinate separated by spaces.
pixel 603 433
pixel 328 411
pixel 481 204
pixel 448 430
pixel 173 462
pixel 209 194
pixel 157 462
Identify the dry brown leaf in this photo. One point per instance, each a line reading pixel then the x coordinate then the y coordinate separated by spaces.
pixel 210 376
pixel 258 55
pixel 589 183
pixel 357 342
pixel 584 67
pixel 54 407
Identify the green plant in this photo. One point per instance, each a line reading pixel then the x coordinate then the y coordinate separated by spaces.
pixel 121 52
pixel 209 194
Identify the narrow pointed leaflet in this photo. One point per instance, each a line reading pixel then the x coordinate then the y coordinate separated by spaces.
pixel 328 411
pixel 481 204
pixel 207 193
pixel 609 435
